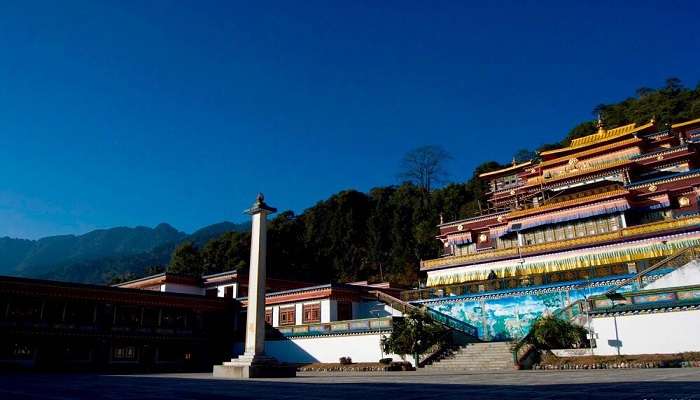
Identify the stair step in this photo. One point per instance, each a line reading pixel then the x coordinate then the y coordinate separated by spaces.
pixel 489 356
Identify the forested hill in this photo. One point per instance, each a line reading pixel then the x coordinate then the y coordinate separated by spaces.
pixel 379 235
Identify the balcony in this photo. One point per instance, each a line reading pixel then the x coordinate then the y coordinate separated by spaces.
pixel 626 233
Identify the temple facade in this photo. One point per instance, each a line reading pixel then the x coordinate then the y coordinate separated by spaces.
pixel 568 225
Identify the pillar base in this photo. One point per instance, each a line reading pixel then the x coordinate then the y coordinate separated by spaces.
pixel 246 367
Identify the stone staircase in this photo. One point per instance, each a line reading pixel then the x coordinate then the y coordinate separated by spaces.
pixel 476 357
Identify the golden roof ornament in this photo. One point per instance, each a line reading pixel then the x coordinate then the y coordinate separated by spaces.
pixel 601 128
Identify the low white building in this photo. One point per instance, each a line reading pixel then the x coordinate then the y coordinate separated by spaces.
pixel 664 318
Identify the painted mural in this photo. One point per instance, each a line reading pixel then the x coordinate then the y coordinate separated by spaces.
pixel 510 317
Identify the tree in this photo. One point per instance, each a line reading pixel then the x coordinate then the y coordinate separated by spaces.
pixel 186 260
pixel 425 166
pixel 524 155
pixel 413 334
pixel 228 252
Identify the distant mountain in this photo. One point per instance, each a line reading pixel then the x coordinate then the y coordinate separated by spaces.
pixel 100 254
pixel 202 236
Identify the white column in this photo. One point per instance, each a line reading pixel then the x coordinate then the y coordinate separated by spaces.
pixel 255 320
pixel 299 314
pixel 275 316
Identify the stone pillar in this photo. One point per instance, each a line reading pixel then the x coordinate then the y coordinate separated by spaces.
pixel 254 363
pixel 255 322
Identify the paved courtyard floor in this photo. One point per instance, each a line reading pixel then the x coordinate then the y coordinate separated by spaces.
pixel 596 384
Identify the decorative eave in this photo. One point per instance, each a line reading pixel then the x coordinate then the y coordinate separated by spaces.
pixel 600 137
pixel 686 123
pixel 609 166
pixel 472 220
pixel 569 203
pixel 663 180
pixel 504 170
pixel 585 153
pixel 661 152
pixel 594 174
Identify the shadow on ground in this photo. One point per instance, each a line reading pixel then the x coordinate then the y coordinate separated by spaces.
pixel 389 387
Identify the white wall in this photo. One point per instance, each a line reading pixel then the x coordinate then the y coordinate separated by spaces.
pixel 221 290
pixel 326 310
pixel 375 309
pixel 180 288
pixel 660 333
pixel 327 349
pixel 687 275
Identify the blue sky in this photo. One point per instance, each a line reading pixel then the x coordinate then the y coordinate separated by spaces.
pixel 134 113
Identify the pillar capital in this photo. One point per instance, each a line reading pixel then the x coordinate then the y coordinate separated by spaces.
pixel 260 206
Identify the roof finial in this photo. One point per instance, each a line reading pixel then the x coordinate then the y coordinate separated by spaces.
pixel 601 129
pixel 514 162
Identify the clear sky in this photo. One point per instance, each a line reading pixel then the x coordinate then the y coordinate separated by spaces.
pixel 140 112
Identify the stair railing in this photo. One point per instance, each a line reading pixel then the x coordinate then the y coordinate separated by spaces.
pixel 446 320
pixel 675 261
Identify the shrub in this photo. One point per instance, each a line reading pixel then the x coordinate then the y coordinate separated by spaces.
pixel 386 361
pixel 555 333
pixel 345 360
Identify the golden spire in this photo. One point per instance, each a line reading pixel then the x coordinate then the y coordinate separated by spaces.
pixel 601 129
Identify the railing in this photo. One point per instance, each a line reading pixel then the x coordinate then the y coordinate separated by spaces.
pixel 438 317
pixel 338 327
pixel 628 232
pixel 453 323
pixel 644 299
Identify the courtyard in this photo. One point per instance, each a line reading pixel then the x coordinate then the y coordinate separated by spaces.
pixel 682 383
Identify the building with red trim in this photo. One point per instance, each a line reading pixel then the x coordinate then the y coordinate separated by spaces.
pixel 610 204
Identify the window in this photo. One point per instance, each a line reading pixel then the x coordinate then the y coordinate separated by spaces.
pixel 569 231
pixel 22 309
pixel 602 226
pixel 77 353
pixel 228 292
pixel 287 316
pixel 124 353
pixel 539 237
pixel 311 313
pixel 559 233
pixel 549 234
pixel 84 313
pixel 171 318
pixel 268 316
pixel 344 310
pixel 19 351
pixel 590 227
pixel 614 223
pixel 126 316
